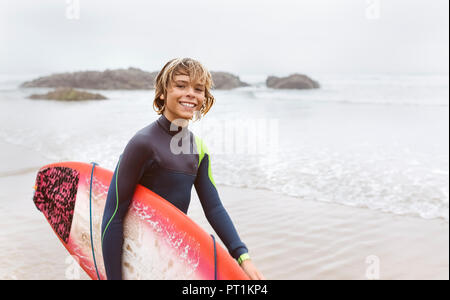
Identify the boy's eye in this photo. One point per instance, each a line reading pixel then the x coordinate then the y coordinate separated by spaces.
pixel 180 86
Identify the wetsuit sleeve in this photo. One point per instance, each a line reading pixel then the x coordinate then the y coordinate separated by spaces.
pixel 128 172
pixel 214 210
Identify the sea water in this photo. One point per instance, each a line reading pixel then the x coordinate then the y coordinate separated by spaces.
pixel 375 141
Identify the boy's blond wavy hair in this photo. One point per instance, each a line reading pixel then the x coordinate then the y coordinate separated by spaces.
pixel 183 66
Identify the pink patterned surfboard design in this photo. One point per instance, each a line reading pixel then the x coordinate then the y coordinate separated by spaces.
pixel 160 242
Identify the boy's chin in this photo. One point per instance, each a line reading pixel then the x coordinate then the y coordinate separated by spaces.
pixel 185 115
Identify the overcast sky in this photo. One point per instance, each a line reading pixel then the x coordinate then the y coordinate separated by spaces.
pixel 240 36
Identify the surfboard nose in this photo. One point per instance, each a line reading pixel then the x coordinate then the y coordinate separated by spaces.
pixel 55 195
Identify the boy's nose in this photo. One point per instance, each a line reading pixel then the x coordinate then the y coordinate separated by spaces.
pixel 190 91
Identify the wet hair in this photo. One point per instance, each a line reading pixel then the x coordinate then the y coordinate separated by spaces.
pixel 183 66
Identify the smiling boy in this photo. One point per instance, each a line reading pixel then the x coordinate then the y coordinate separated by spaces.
pixel 182 93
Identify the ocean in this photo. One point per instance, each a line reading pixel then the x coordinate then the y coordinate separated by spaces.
pixel 378 142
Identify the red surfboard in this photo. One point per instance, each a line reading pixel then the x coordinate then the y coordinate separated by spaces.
pixel 160 241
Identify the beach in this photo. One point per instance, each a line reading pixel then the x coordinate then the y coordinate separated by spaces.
pixel 326 128
pixel 288 237
pixel 326 125
pixel 354 187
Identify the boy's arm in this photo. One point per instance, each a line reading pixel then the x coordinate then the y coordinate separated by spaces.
pixel 214 210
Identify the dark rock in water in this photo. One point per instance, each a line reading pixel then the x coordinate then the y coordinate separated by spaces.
pixel 127 79
pixel 294 81
pixel 68 94
pixel 226 81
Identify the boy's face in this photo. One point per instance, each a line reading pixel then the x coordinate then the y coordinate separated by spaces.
pixel 183 98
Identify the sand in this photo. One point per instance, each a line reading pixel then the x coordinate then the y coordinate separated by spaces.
pixel 288 237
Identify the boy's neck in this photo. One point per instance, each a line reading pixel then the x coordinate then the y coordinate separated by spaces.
pixel 177 121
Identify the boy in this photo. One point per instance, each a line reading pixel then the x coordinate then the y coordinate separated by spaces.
pixel 182 93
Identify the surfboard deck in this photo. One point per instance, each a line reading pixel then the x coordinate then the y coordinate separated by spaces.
pixel 160 241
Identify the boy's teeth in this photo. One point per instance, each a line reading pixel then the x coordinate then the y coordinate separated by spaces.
pixel 187 104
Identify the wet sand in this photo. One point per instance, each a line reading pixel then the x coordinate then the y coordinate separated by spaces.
pixel 288 237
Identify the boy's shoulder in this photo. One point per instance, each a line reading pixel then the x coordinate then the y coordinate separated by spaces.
pixel 201 146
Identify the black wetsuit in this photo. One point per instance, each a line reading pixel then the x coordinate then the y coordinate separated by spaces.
pixel 149 159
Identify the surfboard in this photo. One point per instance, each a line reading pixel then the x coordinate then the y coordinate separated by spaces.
pixel 160 241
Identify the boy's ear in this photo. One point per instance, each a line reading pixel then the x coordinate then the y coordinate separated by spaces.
pixel 161 97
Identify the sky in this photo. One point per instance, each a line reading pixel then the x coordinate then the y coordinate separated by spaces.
pixel 270 37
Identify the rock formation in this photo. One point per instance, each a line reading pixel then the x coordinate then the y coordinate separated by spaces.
pixel 68 94
pixel 294 81
pixel 127 79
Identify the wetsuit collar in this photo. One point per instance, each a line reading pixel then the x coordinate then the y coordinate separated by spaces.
pixel 165 124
